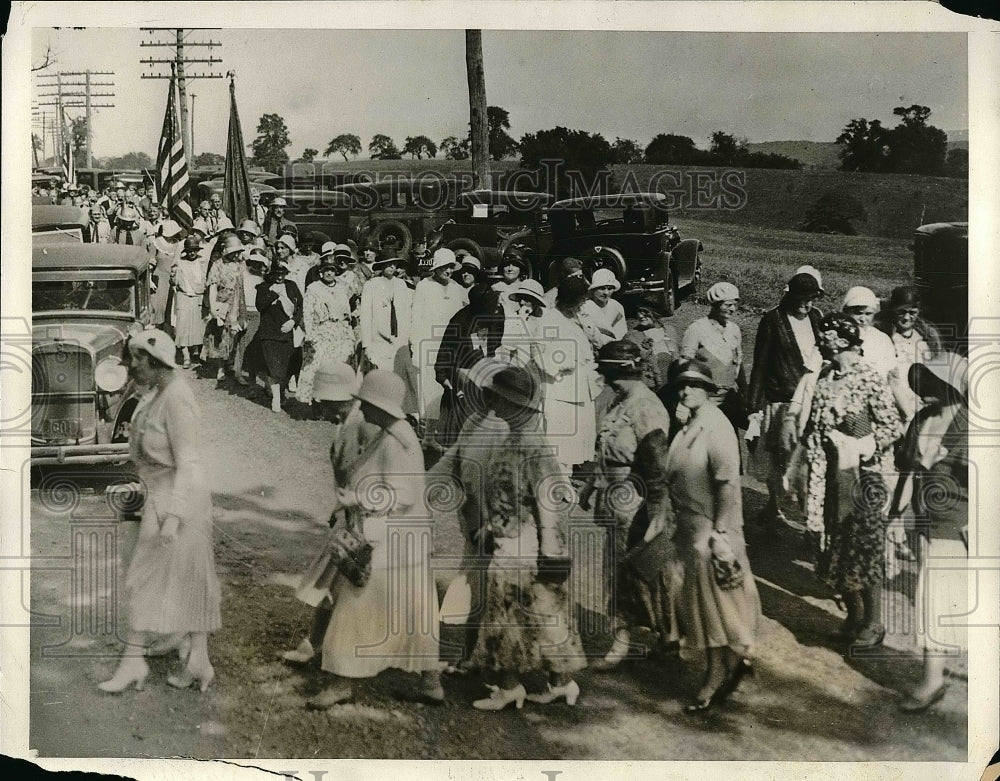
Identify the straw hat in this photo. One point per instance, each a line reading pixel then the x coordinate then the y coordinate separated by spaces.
pixel 604 277
pixel 385 258
pixel 334 381
pixel 384 390
pixel 155 343
pixel 251 227
pixel 443 258
pixel 530 289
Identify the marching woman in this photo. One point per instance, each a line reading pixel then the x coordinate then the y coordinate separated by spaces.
pixel 525 623
pixel 850 430
pixel 280 305
pixel 718 605
pixel 386 614
pixel 225 302
pixel 253 277
pixel 188 280
pixel 171 584
pixel 327 317
pixel 384 313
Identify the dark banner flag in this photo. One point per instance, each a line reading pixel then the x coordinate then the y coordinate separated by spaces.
pixel 236 195
pixel 171 165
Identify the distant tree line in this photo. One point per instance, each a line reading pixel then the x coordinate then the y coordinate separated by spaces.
pixel 913 146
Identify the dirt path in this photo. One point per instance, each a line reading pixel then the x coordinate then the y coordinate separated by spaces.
pixel 270 479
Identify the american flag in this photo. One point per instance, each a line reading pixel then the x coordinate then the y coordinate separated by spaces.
pixel 171 165
pixel 69 164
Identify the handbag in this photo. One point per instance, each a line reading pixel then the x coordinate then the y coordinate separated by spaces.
pixel 352 554
pixel 726 568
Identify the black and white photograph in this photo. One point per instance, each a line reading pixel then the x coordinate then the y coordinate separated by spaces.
pixel 418 382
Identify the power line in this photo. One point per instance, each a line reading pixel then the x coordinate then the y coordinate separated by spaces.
pixel 66 99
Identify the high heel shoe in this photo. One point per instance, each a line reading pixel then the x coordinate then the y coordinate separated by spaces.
pixel 501 698
pixel 188 677
pixel 619 651
pixel 714 699
pixel 571 691
pixel 743 668
pixel 132 670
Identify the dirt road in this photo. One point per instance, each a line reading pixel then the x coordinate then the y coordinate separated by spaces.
pixel 270 478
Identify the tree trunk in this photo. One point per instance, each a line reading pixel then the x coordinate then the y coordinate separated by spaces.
pixel 477 108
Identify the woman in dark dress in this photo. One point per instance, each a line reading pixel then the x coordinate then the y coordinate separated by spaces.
pixel 279 302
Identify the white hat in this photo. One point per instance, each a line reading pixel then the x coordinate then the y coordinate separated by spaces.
pixel 604 277
pixel 443 257
pixel 385 390
pixel 156 343
pixel 529 288
pixel 860 296
pixel 722 291
pixel 334 381
pixel 288 241
pixel 169 228
pixel 279 202
pixel 813 272
pixel 327 248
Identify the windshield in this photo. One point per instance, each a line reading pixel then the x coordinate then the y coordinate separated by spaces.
pixel 103 295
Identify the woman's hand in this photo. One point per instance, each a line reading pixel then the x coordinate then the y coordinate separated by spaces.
pixel 168 530
pixel 287 326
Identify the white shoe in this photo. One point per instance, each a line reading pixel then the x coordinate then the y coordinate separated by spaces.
pixel 501 698
pixel 302 654
pixel 571 691
pixel 292 385
pixel 275 405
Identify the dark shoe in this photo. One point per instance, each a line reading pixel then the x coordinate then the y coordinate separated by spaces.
pixel 743 668
pixel 913 704
pixel 715 699
pixel 870 636
pixel 428 696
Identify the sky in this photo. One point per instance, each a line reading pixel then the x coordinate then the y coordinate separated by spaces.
pixel 761 86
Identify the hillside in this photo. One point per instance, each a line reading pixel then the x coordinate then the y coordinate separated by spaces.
pixel 812 154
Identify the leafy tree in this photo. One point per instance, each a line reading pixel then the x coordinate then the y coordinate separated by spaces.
pixel 726 149
pixel 418 146
pixel 864 146
pixel 914 146
pixel 309 154
pixel 501 144
pixel 208 160
pixel 128 161
pixel 627 151
pixel 770 160
pixel 454 149
pixel 834 212
pixel 383 148
pixel 269 145
pixel 581 156
pixel 78 136
pixel 345 144
pixel 957 164
pixel 669 148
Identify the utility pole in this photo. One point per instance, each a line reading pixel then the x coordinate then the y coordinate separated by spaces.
pixel 477 107
pixel 66 99
pixel 179 60
pixel 191 148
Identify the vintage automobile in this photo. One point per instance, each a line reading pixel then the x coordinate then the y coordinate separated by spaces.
pixel 326 211
pixel 86 299
pixel 941 274
pixel 397 212
pixel 57 225
pixel 627 233
pixel 485 222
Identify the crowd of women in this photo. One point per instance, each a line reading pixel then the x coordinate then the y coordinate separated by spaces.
pixel 544 404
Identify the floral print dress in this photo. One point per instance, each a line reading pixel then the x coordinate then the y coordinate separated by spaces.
pixel 850 502
pixel 227 276
pixel 329 335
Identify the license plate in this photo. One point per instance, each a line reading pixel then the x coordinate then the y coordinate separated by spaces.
pixel 61 427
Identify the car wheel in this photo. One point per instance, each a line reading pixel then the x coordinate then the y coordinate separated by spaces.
pixel 393 232
pixel 604 257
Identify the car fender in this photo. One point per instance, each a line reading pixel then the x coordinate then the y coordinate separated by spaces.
pixel 684 261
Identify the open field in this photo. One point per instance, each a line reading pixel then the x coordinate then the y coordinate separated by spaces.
pixel 895 204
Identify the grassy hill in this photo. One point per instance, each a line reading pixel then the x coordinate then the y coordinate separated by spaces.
pixel 812 154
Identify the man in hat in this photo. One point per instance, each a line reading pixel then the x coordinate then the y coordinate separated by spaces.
pixel 206 219
pixel 786 348
pixel 384 312
pixel 275 221
pixel 98 227
pixel 257 211
pixel 125 224
pixel 435 300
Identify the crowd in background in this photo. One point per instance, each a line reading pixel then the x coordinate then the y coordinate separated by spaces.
pixel 856 414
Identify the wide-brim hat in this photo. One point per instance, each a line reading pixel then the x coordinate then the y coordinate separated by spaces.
pixel 386 259
pixel 343 252
pixel 517 386
pixel 334 381
pixel 384 390
pixel 945 369
pixel 249 226
pixel 231 245
pixel 530 289
pixel 155 343
pixel 329 261
pixel 693 371
pixel 257 257
pixel 604 277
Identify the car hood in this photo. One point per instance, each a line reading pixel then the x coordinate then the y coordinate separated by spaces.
pixel 99 337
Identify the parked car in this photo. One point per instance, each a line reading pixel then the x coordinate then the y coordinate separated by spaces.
pixel 86 299
pixel 485 222
pixel 941 273
pixel 206 189
pixel 627 233
pixel 398 212
pixel 327 211
pixel 57 225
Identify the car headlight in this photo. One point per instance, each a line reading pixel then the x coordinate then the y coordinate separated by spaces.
pixel 110 375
